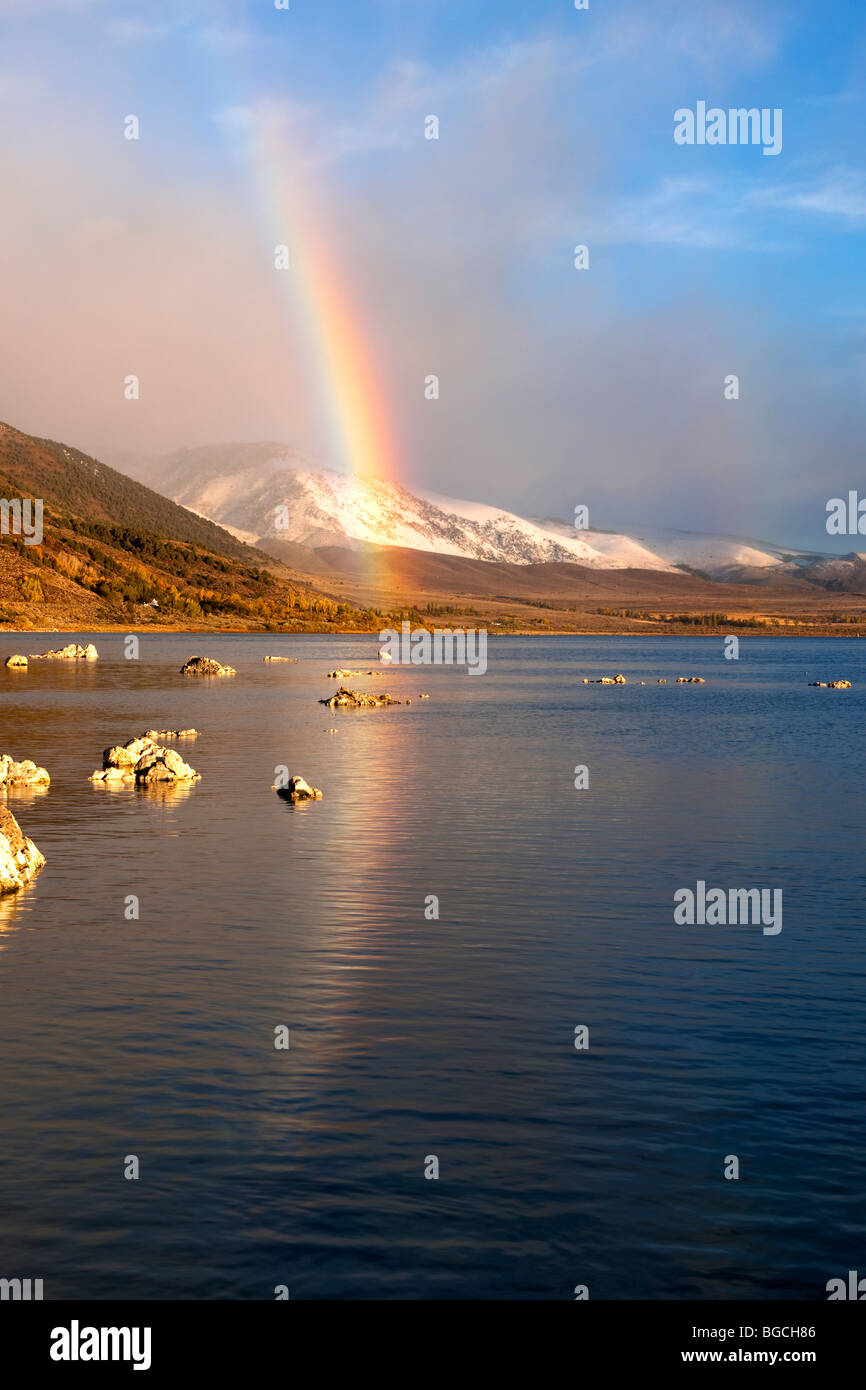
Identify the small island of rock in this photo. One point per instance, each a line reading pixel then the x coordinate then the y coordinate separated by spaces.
pixel 206 666
pixel 299 790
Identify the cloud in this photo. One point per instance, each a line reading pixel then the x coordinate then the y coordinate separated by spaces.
pixel 841 194
pixel 226 38
pixel 141 31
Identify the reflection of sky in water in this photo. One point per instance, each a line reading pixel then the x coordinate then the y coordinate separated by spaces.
pixel 453 1036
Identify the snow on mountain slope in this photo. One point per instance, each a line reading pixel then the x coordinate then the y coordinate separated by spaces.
pixel 720 557
pixel 268 496
pixel 711 554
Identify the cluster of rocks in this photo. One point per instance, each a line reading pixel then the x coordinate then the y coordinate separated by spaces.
pixel 279 658
pixel 358 699
pixel 25 774
pixel 341 675
pixel 144 762
pixel 20 860
pixel 833 685
pixel 170 733
pixel 206 666
pixel 72 652
pixel 299 790
pixel 620 680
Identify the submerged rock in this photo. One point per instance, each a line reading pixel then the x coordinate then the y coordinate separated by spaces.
pixel 357 699
pixel 17 662
pixel 25 774
pixel 833 685
pixel 206 666
pixel 279 658
pixel 299 790
pixel 343 675
pixel 20 860
pixel 690 680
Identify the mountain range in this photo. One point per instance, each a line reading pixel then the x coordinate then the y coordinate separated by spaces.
pixel 254 537
pixel 270 497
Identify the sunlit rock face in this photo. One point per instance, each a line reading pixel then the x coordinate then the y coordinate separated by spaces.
pixel 20 860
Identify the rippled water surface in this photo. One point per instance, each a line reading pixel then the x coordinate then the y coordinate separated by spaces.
pixel 413 1037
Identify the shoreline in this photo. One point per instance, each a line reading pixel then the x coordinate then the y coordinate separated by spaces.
pixel 828 631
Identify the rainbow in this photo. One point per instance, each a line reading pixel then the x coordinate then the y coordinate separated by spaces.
pixel 360 433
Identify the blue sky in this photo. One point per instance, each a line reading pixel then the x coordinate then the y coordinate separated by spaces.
pixel 558 386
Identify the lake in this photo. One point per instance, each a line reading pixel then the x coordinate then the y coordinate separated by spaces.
pixel 413 1037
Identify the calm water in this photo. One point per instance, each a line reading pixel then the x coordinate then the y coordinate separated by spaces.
pixel 454 1037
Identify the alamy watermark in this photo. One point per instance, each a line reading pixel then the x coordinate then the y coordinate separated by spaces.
pixel 20 1290
pixel 22 516
pixel 846 518
pixel 717 907
pixel 441 647
pixel 736 126
pixel 77 1343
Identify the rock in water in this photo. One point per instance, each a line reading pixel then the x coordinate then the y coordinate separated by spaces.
pixel 25 774
pixel 170 733
pixel 127 755
pixel 17 662
pixel 71 652
pixel 299 790
pixel 357 699
pixel 163 765
pixel 206 666
pixel 20 860
pixel 143 761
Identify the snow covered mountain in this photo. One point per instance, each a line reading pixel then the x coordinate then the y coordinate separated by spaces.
pixel 264 493
pixel 267 494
